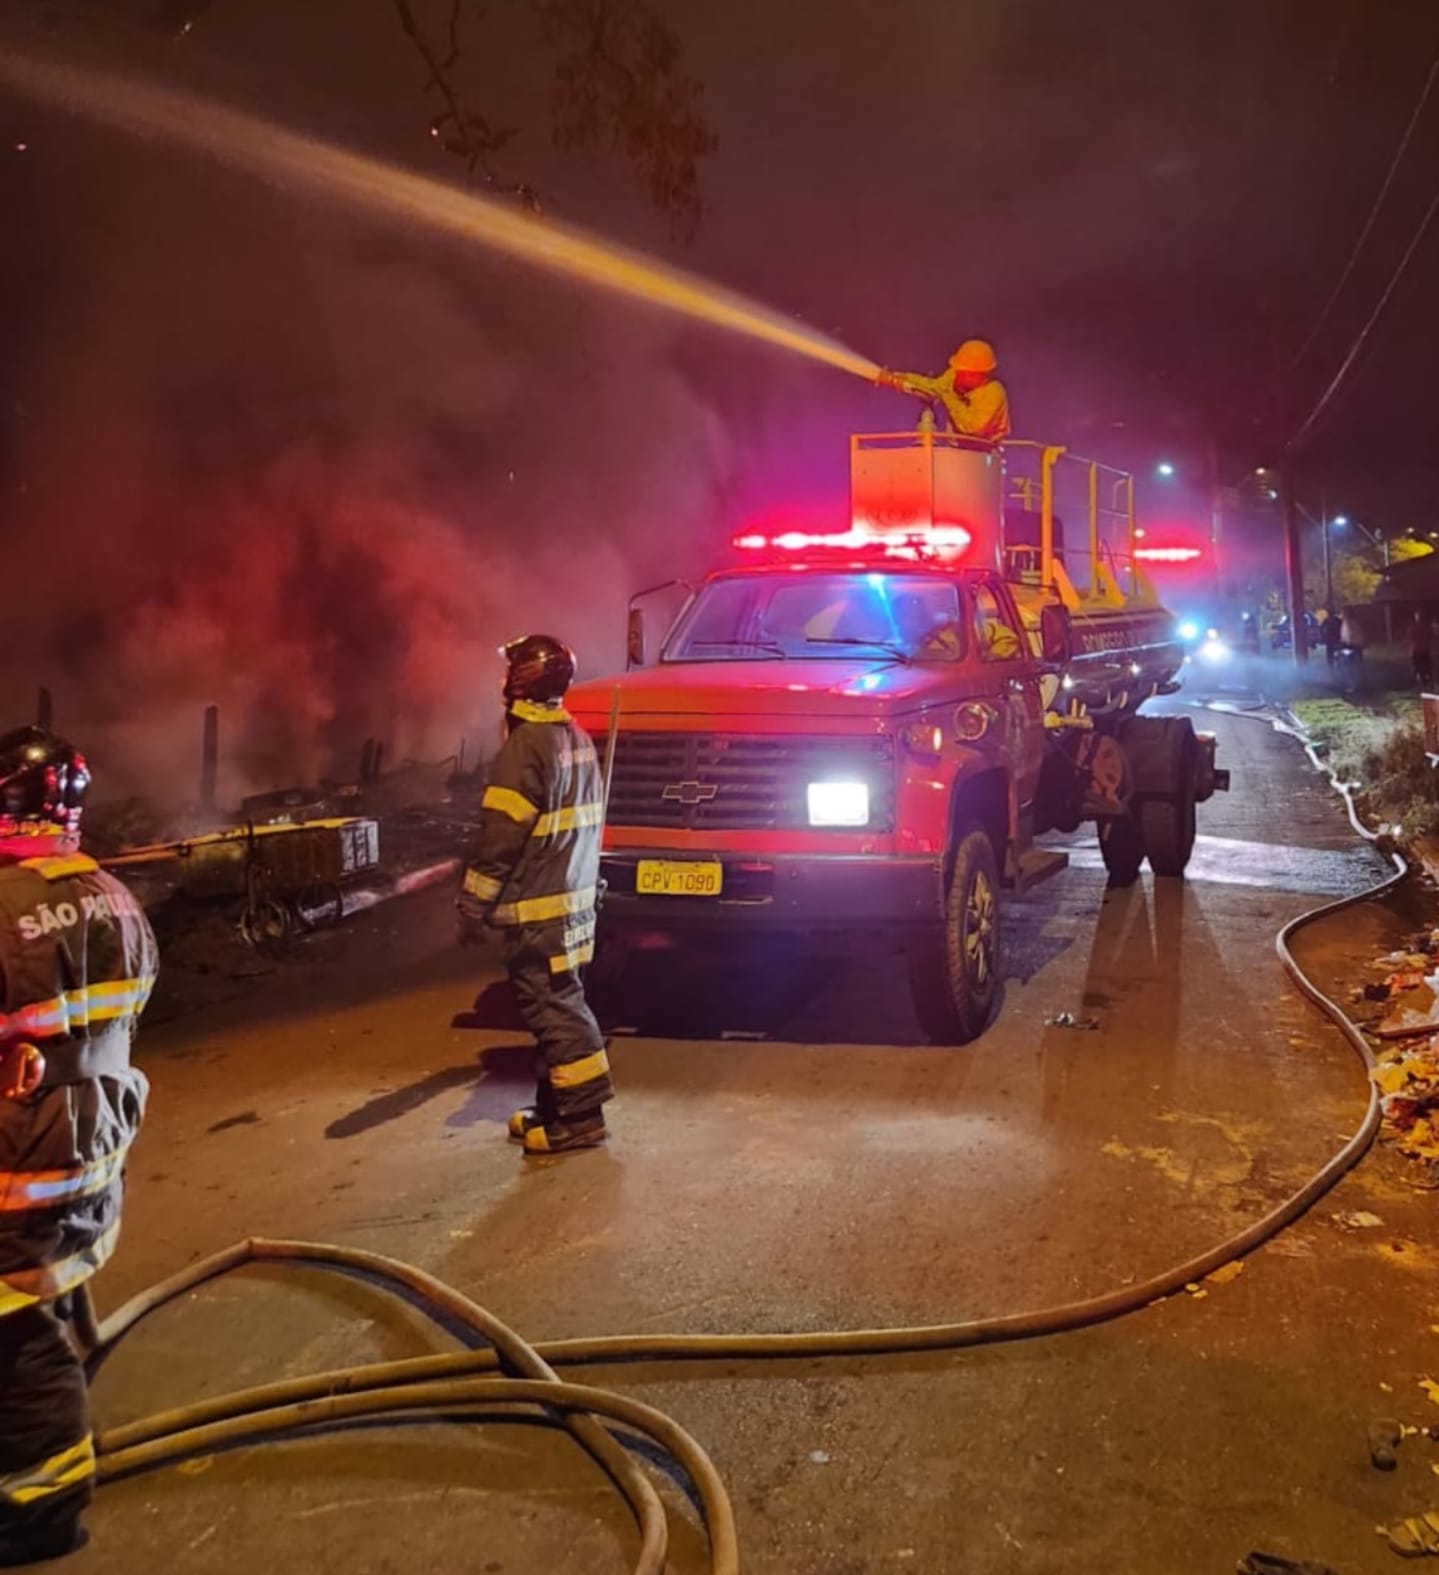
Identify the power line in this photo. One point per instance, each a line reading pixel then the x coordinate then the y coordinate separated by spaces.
pixel 1394 164
pixel 1368 328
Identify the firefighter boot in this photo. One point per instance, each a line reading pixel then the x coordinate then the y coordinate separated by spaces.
pixel 560 1137
pixel 536 1115
pixel 524 1121
pixel 57 1543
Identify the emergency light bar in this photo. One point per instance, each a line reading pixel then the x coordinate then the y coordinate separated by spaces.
pixel 907 541
pixel 1168 554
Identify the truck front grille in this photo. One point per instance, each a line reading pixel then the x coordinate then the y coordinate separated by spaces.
pixel 741 782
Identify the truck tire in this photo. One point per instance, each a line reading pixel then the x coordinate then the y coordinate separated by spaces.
pixel 954 973
pixel 1167 827
pixel 1121 845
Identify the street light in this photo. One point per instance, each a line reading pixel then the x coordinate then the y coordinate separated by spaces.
pixel 1164 468
pixel 1341 520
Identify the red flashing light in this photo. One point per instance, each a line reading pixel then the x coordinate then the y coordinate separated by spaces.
pixel 1168 554
pixel 908 541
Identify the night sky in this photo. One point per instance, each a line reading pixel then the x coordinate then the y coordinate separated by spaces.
pixel 1143 205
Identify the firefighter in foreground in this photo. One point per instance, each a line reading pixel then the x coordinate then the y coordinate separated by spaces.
pixel 972 397
pixel 534 876
pixel 78 962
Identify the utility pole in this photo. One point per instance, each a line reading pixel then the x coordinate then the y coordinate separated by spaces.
pixel 1293 559
pixel 1328 575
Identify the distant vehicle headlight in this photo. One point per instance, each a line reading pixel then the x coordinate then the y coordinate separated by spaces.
pixel 839 803
pixel 1214 650
pixel 1189 630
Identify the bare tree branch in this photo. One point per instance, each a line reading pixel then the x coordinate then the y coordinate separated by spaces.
pixel 458 128
pixel 619 81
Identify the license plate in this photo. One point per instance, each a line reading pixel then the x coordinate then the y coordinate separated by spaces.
pixel 678 878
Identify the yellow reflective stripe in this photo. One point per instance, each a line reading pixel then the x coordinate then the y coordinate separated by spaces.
pixel 575 957
pixel 535 910
pixel 54 1279
pixel 510 803
pixel 586 1070
pixel 38 1189
pixel 570 819
pixel 13 1301
pixel 485 887
pixel 51 1476
pixel 61 865
pixel 63 1014
pixel 531 711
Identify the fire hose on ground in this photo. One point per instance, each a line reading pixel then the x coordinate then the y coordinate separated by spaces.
pixel 508 1372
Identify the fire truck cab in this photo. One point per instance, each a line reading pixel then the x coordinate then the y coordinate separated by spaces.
pixel 857 735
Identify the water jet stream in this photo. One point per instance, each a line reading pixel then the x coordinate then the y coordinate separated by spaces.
pixel 295 162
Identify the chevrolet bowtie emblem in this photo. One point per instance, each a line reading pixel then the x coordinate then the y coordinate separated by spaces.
pixel 689 793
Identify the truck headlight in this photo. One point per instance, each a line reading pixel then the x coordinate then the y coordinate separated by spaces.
pixel 839 803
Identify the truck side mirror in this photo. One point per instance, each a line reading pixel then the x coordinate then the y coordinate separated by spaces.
pixel 635 638
pixel 1054 640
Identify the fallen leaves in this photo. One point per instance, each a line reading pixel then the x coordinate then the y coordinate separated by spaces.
pixel 1408 1084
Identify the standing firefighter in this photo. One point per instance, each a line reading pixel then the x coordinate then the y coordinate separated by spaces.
pixel 79 961
pixel 972 396
pixel 534 877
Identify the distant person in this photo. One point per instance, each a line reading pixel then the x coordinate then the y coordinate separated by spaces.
pixel 534 876
pixel 1249 634
pixel 1331 632
pixel 1421 648
pixel 972 397
pixel 77 962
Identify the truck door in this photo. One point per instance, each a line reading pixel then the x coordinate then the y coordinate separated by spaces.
pixel 1000 641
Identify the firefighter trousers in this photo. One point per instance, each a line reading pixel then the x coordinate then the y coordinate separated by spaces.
pixel 573 1072
pixel 47 1458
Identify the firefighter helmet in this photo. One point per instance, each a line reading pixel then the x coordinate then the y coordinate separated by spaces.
pixel 42 781
pixel 540 668
pixel 974 355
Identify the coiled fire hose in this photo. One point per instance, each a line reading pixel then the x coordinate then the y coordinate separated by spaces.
pixel 509 1372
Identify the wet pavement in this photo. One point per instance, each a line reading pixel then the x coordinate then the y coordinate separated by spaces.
pixel 789 1154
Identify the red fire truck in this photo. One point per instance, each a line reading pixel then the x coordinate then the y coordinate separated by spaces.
pixel 857 735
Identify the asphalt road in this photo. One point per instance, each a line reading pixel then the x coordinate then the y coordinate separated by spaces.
pixel 799 1159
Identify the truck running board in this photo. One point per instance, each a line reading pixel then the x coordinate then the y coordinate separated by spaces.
pixel 1037 865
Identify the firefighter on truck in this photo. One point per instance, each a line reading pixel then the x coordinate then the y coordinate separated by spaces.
pixel 78 961
pixel 968 392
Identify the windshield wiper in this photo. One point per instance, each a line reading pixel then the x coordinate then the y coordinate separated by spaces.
pixel 772 647
pixel 898 652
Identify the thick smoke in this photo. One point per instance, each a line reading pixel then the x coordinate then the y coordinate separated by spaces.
pixel 314 472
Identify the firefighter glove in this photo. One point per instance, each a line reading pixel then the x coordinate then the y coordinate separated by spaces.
pixel 472 918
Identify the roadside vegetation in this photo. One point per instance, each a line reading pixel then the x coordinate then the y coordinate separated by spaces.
pixel 1375 742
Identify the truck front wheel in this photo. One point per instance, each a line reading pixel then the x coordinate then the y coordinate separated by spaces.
pixel 954 973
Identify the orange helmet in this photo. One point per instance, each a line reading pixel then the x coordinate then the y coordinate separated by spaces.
pixel 974 355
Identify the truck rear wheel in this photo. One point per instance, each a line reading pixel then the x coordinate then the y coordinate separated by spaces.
pixel 1121 845
pixel 954 974
pixel 1167 827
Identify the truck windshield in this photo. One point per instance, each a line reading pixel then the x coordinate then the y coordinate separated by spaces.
pixel 767 617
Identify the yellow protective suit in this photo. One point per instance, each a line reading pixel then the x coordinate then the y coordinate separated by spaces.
pixel 981 412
